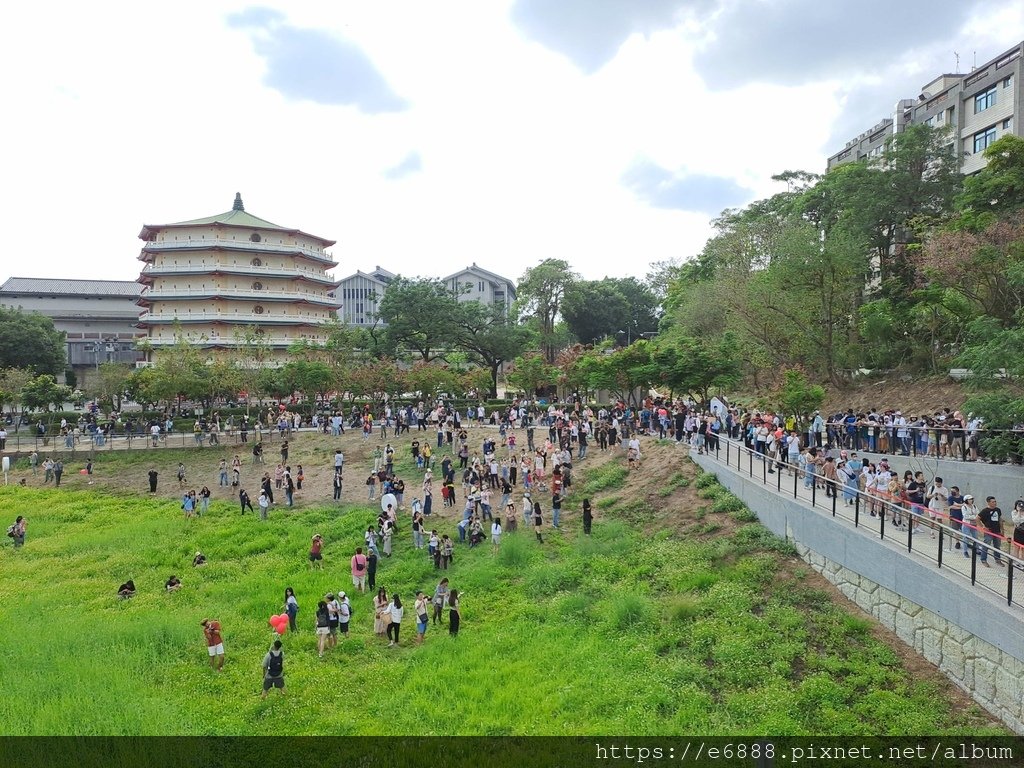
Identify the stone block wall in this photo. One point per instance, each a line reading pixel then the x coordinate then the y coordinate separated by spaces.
pixel 970 634
pixel 992 677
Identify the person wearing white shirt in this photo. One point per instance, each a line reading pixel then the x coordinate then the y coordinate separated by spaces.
pixel 936 498
pixel 394 612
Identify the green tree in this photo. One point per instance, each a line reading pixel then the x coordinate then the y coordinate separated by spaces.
pixel 697 365
pixel 798 396
pixel 110 384
pixel 43 391
pixel 612 307
pixel 12 382
pixel 490 338
pixel 420 316
pixel 996 189
pixel 29 340
pixel 540 293
pixel 532 374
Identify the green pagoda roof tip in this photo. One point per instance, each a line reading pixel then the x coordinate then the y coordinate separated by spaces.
pixel 238 203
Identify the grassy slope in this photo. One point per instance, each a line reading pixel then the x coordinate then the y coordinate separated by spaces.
pixel 626 632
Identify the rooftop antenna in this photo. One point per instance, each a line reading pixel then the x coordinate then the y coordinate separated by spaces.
pixel 957 55
pixel 974 66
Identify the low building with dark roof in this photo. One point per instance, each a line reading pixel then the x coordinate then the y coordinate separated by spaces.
pixel 98 317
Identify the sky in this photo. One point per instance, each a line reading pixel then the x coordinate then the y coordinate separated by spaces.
pixel 424 136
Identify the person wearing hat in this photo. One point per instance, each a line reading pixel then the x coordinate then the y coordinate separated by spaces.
pixel 344 613
pixel 316 551
pixel 970 513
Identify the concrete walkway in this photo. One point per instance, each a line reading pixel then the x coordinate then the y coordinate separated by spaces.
pixel 924 547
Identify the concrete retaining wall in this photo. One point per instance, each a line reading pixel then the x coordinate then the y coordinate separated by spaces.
pixel 971 635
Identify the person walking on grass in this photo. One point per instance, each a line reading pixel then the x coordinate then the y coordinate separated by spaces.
pixel 188 504
pixel 588 516
pixel 17 532
pixel 337 486
pixel 371 570
pixel 273 669
pixel 538 521
pixel 204 500
pixel 359 570
pixel 454 616
pixel 214 643
pixel 421 616
pixel 380 619
pixel 222 471
pixel 323 626
pixel 316 558
pixel 58 471
pixel 245 501
pixel 291 607
pixel 496 534
pixel 181 475
pixel 439 601
pixel 395 612
pixel 264 504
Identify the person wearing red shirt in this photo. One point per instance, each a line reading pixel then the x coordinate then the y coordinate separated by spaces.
pixel 214 643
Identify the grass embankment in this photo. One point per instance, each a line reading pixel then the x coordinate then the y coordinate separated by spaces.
pixel 716 631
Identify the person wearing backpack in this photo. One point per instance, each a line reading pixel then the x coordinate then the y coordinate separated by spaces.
pixel 273 669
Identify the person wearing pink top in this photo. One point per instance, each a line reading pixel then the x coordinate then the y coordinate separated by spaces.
pixel 359 570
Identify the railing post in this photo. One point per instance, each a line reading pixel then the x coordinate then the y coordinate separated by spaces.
pixel 910 530
pixel 751 455
pixel 882 520
pixel 1009 581
pixel 974 559
pixel 814 491
pixel 727 453
pixel 942 533
pixel 796 479
pixel 856 509
pixel 835 495
pixel 778 479
pixel 764 470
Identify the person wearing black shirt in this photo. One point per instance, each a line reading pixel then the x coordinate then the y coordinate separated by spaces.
pixel 243 499
pixel 956 511
pixel 152 480
pixel 991 517
pixel 915 492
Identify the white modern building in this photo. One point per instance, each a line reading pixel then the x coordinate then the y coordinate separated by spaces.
pixel 360 294
pixel 221 278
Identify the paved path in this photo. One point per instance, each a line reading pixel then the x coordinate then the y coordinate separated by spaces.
pixel 925 547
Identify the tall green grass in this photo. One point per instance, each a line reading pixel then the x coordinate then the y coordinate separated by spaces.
pixel 618 632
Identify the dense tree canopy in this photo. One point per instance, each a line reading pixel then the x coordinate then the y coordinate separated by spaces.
pixel 29 340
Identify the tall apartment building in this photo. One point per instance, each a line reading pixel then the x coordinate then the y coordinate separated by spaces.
pixel 221 277
pixel 978 108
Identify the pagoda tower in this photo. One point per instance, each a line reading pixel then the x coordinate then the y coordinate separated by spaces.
pixel 235 276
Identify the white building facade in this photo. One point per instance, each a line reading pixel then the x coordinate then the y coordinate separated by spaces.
pixel 223 278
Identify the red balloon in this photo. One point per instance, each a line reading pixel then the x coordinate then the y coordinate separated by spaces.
pixel 83 471
pixel 273 620
pixel 280 628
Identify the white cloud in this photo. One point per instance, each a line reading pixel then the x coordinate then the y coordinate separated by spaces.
pixel 161 113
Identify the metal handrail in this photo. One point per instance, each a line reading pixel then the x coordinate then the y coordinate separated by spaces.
pixel 744 460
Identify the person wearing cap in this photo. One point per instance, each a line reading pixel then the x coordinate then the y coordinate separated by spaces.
pixel 316 552
pixel 970 513
pixel 991 517
pixel 333 617
pixel 344 613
